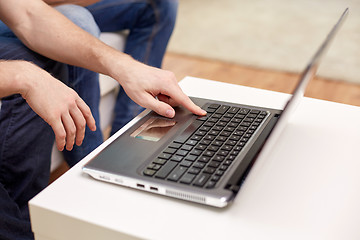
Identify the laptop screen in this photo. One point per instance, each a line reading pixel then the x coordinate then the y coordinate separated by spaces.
pixel 299 91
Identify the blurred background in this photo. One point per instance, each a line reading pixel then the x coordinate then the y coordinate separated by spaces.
pixel 279 35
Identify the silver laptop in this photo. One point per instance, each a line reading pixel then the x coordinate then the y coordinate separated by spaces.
pixel 198 159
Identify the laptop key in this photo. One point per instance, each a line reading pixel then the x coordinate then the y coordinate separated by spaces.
pixel 170 150
pixel 202 118
pixel 201 179
pixel 222 109
pixel 192 142
pixel 194 170
pixel 177 173
pixel 191 157
pixel 182 152
pixel 209 170
pixel 186 163
pixel 149 172
pixel 234 110
pixel 244 110
pixel 159 161
pixel 164 155
pixel 214 105
pixel 210 184
pixel 204 159
pixel 187 178
pixel 176 158
pixel 175 145
pixel 199 165
pixel 187 147
pixel 214 164
pixel 166 169
pixel 188 132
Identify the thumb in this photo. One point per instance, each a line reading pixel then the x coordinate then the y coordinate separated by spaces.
pixel 160 107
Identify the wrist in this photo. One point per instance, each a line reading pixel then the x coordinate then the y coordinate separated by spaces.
pixel 118 65
pixel 23 78
pixel 12 77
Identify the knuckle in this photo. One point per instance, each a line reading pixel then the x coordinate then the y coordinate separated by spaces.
pixel 72 131
pixel 87 113
pixel 61 136
pixel 82 123
pixel 54 116
pixel 170 76
pixel 72 104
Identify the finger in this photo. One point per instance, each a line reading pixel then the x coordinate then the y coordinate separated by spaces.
pixel 84 108
pixel 166 99
pixel 80 124
pixel 178 96
pixel 60 134
pixel 70 129
pixel 159 107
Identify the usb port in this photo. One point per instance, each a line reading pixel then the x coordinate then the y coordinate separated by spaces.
pixel 140 185
pixel 154 188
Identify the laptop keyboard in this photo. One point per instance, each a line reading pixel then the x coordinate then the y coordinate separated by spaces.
pixel 205 150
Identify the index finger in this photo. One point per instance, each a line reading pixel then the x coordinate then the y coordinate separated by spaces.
pixel 181 98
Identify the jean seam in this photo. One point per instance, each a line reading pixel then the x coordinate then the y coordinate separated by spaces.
pixel 153 31
pixel 5 146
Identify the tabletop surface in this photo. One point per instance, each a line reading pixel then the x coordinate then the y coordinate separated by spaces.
pixel 307 188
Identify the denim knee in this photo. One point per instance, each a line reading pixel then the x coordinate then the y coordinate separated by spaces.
pixel 81 17
pixel 167 10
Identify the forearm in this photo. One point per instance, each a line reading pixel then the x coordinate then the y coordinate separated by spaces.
pixel 48 32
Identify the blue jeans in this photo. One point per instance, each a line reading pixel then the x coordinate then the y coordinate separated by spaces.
pixel 150 24
pixel 25 147
pixel 26 140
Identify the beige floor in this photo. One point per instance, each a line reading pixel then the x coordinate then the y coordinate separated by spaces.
pixel 320 88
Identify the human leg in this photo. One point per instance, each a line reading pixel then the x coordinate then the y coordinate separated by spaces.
pixel 25 147
pixel 150 24
pixel 13 224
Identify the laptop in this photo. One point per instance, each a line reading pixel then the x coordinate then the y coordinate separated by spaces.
pixel 199 159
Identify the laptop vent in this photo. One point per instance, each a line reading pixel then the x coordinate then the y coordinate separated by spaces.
pixel 185 196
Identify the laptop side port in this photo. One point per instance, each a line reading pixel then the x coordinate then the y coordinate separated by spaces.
pixel 140 185
pixel 154 189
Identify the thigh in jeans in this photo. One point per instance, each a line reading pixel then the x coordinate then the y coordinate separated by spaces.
pixel 25 147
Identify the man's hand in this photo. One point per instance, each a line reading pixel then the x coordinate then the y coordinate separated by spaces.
pixel 155 88
pixel 60 107
pixel 57 104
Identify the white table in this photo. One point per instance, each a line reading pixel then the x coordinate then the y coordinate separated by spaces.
pixel 307 188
